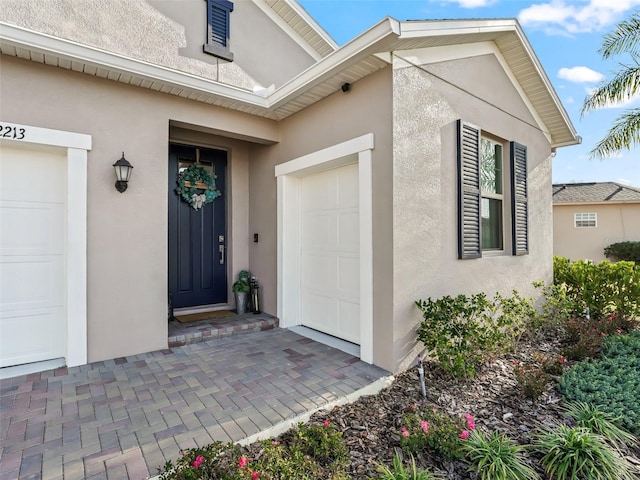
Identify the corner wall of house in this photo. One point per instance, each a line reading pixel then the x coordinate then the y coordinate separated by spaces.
pixel 428 100
pixel 617 222
pixel 340 117
pixel 127 232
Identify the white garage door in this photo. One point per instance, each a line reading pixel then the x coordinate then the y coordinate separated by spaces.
pixel 32 255
pixel 330 259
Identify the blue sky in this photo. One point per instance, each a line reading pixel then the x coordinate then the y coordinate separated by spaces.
pixel 566 36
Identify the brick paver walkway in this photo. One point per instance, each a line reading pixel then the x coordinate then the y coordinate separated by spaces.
pixel 123 418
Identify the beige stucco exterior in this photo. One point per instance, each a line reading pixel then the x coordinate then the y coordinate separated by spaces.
pixel 616 222
pixel 409 108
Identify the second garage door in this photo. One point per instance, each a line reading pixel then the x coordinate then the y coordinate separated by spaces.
pixel 32 255
pixel 329 248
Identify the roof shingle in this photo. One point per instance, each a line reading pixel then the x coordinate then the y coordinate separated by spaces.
pixel 594 192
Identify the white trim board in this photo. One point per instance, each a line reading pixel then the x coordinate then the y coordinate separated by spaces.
pixel 357 150
pixel 77 145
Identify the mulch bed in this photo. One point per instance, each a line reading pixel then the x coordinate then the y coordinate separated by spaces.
pixel 370 425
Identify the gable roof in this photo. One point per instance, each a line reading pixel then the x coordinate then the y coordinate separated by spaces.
pixel 594 192
pixel 348 64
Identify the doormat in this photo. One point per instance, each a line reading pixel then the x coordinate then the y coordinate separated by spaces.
pixel 196 317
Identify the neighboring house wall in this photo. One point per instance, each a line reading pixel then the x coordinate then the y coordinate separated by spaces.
pixel 425 262
pixel 127 233
pixel 617 222
pixel 367 108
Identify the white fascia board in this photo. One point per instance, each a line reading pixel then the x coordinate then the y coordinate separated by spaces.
pixel 286 28
pixel 321 32
pixel 73 51
pixel 364 44
pixel 549 86
pixel 430 28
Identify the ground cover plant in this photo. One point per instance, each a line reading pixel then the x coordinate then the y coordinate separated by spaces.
pixel 611 382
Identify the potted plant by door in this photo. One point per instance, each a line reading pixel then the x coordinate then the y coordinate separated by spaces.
pixel 241 291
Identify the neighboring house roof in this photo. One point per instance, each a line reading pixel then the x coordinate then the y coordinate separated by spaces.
pixel 594 192
pixel 357 59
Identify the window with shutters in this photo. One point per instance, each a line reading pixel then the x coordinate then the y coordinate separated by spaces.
pixel 487 191
pixel 218 12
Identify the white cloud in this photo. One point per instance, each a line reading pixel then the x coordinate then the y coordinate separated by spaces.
pixel 471 3
pixel 569 100
pixel 580 75
pixel 564 16
pixel 624 181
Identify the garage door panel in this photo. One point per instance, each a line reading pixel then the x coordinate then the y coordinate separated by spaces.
pixel 348 232
pixel 346 312
pixel 347 188
pixel 319 272
pixel 329 252
pixel 31 283
pixel 318 231
pixel 32 228
pixel 31 336
pixel 319 311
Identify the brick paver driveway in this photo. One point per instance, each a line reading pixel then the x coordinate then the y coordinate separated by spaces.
pixel 124 418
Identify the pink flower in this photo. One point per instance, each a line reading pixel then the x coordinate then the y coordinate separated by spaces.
pixel 255 475
pixel 404 431
pixel 471 424
pixel 425 426
pixel 464 434
pixel 198 461
pixel 602 334
pixel 326 422
pixel 618 331
pixel 242 462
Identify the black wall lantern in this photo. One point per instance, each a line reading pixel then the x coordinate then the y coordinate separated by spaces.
pixel 123 172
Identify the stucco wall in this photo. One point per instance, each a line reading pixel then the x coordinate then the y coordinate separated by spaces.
pixel 427 102
pixel 127 233
pixel 615 223
pixel 169 33
pixel 342 116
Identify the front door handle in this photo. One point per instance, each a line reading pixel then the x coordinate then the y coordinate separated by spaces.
pixel 221 250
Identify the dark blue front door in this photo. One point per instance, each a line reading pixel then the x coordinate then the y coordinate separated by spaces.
pixel 197 238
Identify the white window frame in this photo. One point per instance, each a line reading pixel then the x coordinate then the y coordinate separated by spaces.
pixel 585 218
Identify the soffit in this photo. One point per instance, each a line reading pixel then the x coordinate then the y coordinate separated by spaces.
pixel 357 59
pixel 301 22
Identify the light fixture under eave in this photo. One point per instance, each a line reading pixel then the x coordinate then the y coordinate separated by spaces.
pixel 123 173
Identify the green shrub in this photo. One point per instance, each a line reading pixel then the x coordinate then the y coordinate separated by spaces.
pixel 604 287
pixel 577 454
pixel 399 472
pixel 612 382
pixel 532 380
pixel 557 306
pixel 623 251
pixel 465 331
pixel 323 443
pixel 496 458
pixel 434 430
pixel 594 419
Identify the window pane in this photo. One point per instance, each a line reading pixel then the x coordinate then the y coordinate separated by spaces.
pixel 491 166
pixel 491 213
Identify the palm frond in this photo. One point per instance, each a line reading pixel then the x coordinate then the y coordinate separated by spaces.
pixel 624 133
pixel 625 38
pixel 620 88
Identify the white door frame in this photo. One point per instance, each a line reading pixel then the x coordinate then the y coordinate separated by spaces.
pixel 288 174
pixel 76 145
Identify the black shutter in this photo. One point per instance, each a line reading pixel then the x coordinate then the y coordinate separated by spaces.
pixel 519 201
pixel 218 23
pixel 218 31
pixel 469 245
